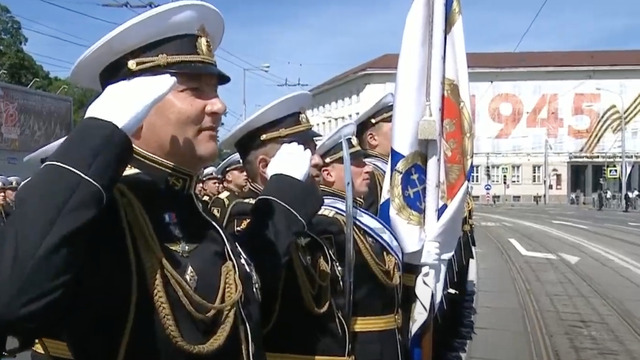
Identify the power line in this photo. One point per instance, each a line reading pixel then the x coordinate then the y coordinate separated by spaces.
pixel 49 27
pixel 50 57
pixel 530 25
pixel 80 13
pixel 55 37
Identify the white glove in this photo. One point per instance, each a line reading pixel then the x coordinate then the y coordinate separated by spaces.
pixel 291 159
pixel 126 104
pixel 43 152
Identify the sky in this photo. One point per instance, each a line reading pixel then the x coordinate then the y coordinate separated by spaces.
pixel 307 42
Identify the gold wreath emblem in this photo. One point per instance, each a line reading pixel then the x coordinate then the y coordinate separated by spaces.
pixel 413 189
pixel 203 44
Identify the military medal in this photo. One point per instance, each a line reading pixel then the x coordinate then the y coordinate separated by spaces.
pixel 181 247
pixel 191 277
pixel 249 267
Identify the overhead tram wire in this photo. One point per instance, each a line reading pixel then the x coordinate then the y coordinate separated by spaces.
pixel 49 27
pixel 544 2
pixel 278 78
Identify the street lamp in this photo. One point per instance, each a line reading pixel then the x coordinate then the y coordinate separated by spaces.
pixel 263 68
pixel 623 148
pixel 33 82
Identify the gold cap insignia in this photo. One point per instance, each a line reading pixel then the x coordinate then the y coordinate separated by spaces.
pixel 303 117
pixel 203 44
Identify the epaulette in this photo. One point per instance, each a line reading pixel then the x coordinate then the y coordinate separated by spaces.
pixel 130 170
pixel 207 198
pixel 327 212
pixel 223 194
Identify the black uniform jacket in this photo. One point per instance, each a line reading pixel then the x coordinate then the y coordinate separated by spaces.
pixel 376 286
pixel 95 256
pixel 304 320
pixel 221 203
pixel 372 199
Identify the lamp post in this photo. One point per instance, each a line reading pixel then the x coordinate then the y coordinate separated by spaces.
pixel 623 148
pixel 33 82
pixel 263 68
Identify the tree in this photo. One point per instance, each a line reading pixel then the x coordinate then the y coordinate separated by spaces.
pixel 20 68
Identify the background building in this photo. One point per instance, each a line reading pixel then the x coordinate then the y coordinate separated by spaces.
pixel 570 101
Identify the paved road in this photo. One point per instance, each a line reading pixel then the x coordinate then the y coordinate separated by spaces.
pixel 557 282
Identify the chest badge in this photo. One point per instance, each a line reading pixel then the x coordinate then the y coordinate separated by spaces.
pixel 181 247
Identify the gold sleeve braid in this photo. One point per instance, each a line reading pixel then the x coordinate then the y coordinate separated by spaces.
pixel 155 264
pixel 388 272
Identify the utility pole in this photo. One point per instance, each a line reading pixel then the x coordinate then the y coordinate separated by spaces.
pixel 623 149
pixel 545 170
pixel 264 68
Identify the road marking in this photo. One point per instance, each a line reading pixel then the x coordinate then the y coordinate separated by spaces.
pixel 609 254
pixel 525 252
pixel 568 223
pixel 570 258
pixel 506 224
pixel 634 224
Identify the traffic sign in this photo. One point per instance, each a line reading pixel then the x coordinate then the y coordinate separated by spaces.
pixel 505 170
pixel 612 172
pixel 487 187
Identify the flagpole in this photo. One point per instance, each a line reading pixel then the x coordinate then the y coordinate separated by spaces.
pixel 435 80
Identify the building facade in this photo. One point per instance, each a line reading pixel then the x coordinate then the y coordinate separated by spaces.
pixel 571 103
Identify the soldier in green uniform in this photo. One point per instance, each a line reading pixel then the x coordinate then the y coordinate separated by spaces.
pixel 209 186
pixel 120 261
pixel 376 316
pixel 306 322
pixel 234 182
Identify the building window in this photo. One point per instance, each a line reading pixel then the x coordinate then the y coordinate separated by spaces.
pixel 496 176
pixel 475 174
pixel 516 174
pixel 537 174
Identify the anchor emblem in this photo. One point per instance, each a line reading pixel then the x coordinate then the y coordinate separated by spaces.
pixel 408 188
pixel 419 188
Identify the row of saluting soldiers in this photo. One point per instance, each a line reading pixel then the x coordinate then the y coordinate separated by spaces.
pixel 125 261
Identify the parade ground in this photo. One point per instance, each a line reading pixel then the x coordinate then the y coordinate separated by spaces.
pixel 557 282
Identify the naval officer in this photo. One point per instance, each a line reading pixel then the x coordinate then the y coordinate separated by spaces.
pixel 374 134
pixel 305 322
pixel 376 319
pixel 121 259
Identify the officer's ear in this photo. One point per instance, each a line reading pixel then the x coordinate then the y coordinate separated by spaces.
pixel 327 176
pixel 262 162
pixel 372 138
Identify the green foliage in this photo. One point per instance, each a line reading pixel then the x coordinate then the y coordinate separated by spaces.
pixel 20 68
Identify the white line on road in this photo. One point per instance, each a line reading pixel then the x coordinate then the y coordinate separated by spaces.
pixel 570 258
pixel 525 252
pixel 634 224
pixel 609 254
pixel 568 223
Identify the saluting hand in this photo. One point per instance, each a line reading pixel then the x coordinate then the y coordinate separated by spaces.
pixel 291 159
pixel 125 104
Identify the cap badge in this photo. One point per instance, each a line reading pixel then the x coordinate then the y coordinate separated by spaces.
pixel 203 44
